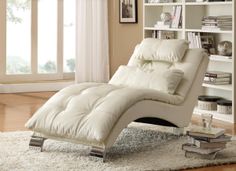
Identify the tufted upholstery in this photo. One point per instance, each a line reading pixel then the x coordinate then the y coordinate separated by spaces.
pixel 87 112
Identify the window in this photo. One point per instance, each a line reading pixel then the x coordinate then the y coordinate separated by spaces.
pixel 47 36
pixel 18 37
pixel 37 40
pixel 69 36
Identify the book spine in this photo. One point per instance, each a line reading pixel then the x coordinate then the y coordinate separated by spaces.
pixel 199 39
pixel 217 83
pixel 211 156
pixel 216 79
pixel 173 14
pixel 216 75
pixel 177 17
pixel 189 39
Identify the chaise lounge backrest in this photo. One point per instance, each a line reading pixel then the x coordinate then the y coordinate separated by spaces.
pixel 175 54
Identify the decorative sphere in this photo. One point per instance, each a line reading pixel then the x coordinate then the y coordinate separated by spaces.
pixel 165 16
pixel 225 48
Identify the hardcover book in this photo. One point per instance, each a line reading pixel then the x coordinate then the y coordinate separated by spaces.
pixel 217 74
pixel 193 148
pixel 205 144
pixel 210 156
pixel 209 133
pixel 222 138
pixel 211 79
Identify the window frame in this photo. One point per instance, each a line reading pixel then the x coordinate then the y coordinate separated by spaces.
pixel 34 75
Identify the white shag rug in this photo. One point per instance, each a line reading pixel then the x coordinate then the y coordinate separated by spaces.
pixel 142 148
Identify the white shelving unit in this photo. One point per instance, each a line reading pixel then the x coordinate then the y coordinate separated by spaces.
pixel 192 14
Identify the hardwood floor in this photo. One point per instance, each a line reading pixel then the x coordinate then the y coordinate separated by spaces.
pixel 16 109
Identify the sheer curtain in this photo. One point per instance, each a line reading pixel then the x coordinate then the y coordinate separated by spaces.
pixel 92 51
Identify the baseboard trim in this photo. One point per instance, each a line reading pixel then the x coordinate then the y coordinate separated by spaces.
pixel 34 87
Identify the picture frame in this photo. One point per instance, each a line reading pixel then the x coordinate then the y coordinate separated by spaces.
pixel 128 11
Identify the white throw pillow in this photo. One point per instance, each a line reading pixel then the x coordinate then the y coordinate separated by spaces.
pixel 171 50
pixel 165 81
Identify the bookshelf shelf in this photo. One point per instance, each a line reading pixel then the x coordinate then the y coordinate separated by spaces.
pixel 221 59
pixel 219 87
pixel 216 115
pixel 163 4
pixel 169 29
pixel 192 14
pixel 209 3
pixel 208 31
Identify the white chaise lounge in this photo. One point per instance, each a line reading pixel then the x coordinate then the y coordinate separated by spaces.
pixel 159 85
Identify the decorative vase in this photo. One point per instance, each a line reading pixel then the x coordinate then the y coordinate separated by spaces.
pixel 165 16
pixel 225 48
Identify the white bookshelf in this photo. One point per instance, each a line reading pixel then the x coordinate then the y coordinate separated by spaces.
pixel 192 14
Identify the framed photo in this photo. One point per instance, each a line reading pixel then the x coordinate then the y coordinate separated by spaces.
pixel 128 11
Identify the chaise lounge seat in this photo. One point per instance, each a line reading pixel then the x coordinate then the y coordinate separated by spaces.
pixel 160 83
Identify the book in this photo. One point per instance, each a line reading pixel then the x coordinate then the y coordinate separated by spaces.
pixel 205 144
pixel 217 83
pixel 173 16
pixel 214 80
pixel 162 26
pixel 176 17
pixel 199 39
pixel 218 57
pixel 222 138
pixel 190 40
pixel 210 156
pixel 217 74
pixel 194 148
pixel 163 23
pixel 202 132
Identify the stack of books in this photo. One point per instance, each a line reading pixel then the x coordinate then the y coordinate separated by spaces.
pixel 194 40
pixel 217 23
pixel 205 143
pixel 162 24
pixel 220 57
pixel 217 78
pixel 159 34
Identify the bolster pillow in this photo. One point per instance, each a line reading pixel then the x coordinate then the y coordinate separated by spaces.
pixel 164 81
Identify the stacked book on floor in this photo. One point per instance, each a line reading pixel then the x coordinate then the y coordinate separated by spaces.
pixel 217 78
pixel 204 143
pixel 217 23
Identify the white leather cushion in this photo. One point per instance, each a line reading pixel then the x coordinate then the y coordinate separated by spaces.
pixel 171 50
pixel 165 81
